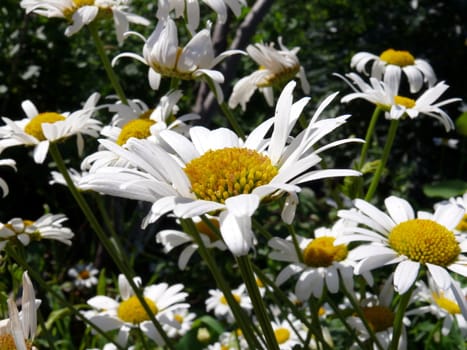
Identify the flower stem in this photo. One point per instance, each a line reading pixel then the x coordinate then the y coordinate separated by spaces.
pixel 368 136
pixel 386 151
pixel 397 329
pixel 106 62
pixel 293 234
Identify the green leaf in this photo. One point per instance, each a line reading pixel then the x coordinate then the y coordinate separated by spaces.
pixel 445 189
pixel 461 124
pixel 102 283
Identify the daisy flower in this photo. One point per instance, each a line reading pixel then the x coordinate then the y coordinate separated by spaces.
pixel 409 241
pixel 286 335
pixel 385 95
pixel 126 312
pixel 218 171
pixel 218 303
pixel 161 52
pixel 391 64
pixel 230 341
pixel 442 304
pixel 3 185
pixel 40 129
pixel 83 12
pixel 84 275
pixel 277 67
pixel 462 201
pixel 184 319
pixel 18 331
pixel 48 226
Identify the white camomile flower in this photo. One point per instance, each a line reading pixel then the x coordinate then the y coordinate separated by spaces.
pixel 277 67
pixel 218 171
pixel 391 64
pixel 3 185
pixel 84 275
pixel 83 12
pixel 462 201
pixel 184 319
pixel 40 129
pixel 409 241
pixel 218 304
pixel 385 95
pixel 286 335
pixel 126 311
pixel 164 56
pixel 48 226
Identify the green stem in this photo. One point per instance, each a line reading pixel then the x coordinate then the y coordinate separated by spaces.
pixel 246 270
pixel 386 151
pixel 106 62
pixel 106 242
pixel 293 234
pixel 368 136
pixel 239 314
pixel 398 320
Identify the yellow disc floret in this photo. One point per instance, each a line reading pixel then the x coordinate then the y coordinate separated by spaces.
pixel 462 225
pixel 404 101
pixel 236 297
pixel 379 318
pixel 220 174
pixel 132 311
pixel 34 127
pixel 321 252
pixel 282 335
pixel 397 58
pixel 445 303
pixel 206 230
pixel 7 342
pixel 425 241
pixel 279 78
pixel 137 128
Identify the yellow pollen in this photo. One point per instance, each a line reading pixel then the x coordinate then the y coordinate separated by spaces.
pixel 81 3
pixel 380 318
pixel 220 174
pixel 204 229
pixel 321 252
pixel 404 101
pixel 279 78
pixel 137 128
pixel 84 274
pixel 34 127
pixel 7 342
pixel 462 225
pixel 146 114
pixel 26 224
pixel 179 318
pixel 282 335
pixel 425 241
pixel 132 311
pixel 445 303
pixel 224 347
pixel 397 58
pixel 235 296
pixel 259 283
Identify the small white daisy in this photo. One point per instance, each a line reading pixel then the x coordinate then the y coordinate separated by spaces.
pixel 219 305
pixel 447 142
pixel 84 275
pixel 385 95
pixel 3 185
pixel 407 240
pixel 40 129
pixel 462 201
pixel 286 335
pixel 392 63
pixel 83 12
pixel 184 319
pixel 277 67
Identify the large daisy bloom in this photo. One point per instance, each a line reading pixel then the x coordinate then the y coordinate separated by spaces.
pixel 40 129
pixel 164 56
pixel 83 12
pixel 385 95
pixel 218 171
pixel 410 241
pixel 18 331
pixel 48 226
pixel 126 311
pixel 277 67
pixel 3 185
pixel 391 64
pixel 217 303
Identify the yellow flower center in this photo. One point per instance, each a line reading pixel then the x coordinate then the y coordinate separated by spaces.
pixel 172 71
pixel 380 318
pixel 34 127
pixel 137 128
pixel 397 58
pixel 282 335
pixel 146 114
pixel 84 275
pixel 204 229
pixel 7 342
pixel 259 283
pixel 235 296
pixel 445 303
pixel 68 12
pixel 321 252
pixel 220 174
pixel 26 224
pixel 132 311
pixel 279 78
pixel 462 225
pixel 179 318
pixel 425 241
pixel 404 101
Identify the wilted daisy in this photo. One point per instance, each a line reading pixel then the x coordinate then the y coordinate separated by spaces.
pixel 219 305
pixel 84 275
pixel 276 68
pixel 391 64
pixel 18 331
pixel 385 95
pixel 3 185
pixel 40 129
pixel 218 171
pixel 126 311
pixel 164 56
pixel 48 226
pixel 399 237
pixel 83 12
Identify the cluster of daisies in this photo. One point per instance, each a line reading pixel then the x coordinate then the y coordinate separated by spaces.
pixel 218 179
